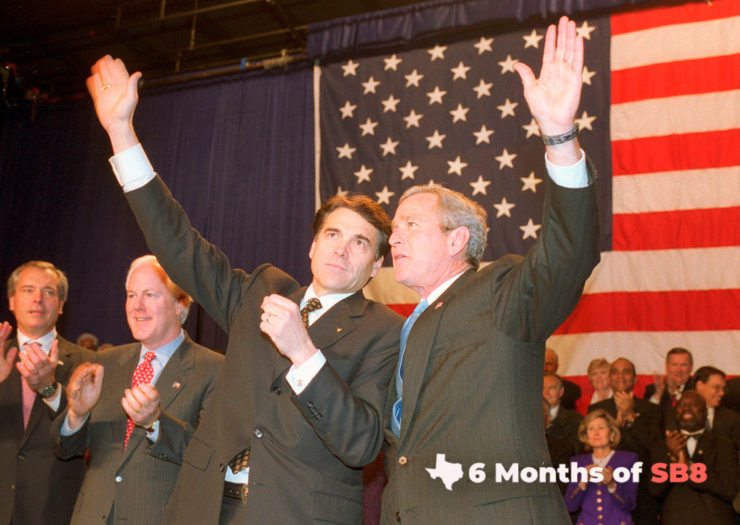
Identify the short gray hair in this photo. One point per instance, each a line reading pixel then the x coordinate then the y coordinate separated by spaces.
pixel 456 210
pixel 62 283
pixel 180 295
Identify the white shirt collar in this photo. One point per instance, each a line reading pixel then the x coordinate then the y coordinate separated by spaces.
pixel 45 340
pixel 327 301
pixel 442 288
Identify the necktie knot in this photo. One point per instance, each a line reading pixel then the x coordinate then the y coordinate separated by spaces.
pixel 312 304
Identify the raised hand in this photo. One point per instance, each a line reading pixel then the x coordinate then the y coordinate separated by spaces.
pixel 6 358
pixel 142 404
pixel 281 320
pixel 115 95
pixel 36 367
pixel 83 392
pixel 553 97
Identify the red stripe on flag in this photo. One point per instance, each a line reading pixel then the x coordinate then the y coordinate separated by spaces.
pixel 637 20
pixel 676 229
pixel 655 311
pixel 685 77
pixel 712 149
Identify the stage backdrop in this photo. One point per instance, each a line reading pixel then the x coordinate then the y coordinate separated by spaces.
pixel 659 116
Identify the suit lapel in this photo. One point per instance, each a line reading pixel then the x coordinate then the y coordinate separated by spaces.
pixel 419 348
pixel 174 376
pixel 337 322
pixel 12 396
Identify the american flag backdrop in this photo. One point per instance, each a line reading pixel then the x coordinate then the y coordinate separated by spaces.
pixel 660 118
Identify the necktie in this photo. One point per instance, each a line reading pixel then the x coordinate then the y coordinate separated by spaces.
pixel 240 461
pixel 397 406
pixel 144 373
pixel 29 394
pixel 312 304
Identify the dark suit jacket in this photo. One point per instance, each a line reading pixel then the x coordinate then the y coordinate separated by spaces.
pixel 597 501
pixel 727 424
pixel 565 426
pixel 667 406
pixel 691 503
pixel 136 485
pixel 640 436
pixel 306 451
pixel 35 486
pixel 560 453
pixel 571 394
pixel 473 371
pixel 731 399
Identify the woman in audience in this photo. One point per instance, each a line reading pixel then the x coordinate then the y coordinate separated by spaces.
pixel 598 376
pixel 602 499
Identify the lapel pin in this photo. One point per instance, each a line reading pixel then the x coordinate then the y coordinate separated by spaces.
pixel 339 329
pixel 438 305
pixel 176 384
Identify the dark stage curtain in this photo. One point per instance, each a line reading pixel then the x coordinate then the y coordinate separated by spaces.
pixel 237 153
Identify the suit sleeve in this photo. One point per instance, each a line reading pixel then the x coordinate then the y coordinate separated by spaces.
pixel 67 447
pixel 541 290
pixel 722 476
pixel 193 263
pixel 348 417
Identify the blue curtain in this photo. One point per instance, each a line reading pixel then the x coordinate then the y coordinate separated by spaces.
pixel 410 25
pixel 236 151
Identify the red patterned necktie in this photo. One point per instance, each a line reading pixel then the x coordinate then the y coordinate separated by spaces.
pixel 29 395
pixel 144 373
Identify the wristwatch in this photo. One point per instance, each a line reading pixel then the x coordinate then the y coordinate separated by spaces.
pixel 49 390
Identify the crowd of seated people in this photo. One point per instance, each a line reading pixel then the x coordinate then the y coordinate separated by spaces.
pixel 680 424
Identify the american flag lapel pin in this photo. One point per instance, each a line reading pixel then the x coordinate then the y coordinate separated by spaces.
pixel 438 305
pixel 176 385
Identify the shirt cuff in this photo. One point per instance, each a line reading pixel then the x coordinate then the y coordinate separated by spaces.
pixel 154 434
pixel 573 176
pixel 299 378
pixel 132 168
pixel 66 430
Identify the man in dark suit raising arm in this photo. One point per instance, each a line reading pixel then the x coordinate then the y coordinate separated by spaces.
pixel 468 384
pixel 298 408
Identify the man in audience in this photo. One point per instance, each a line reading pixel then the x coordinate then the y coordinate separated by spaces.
pixel 560 450
pixel 639 422
pixel 164 383
pixel 709 382
pixel 571 391
pixel 563 421
pixel 88 340
pixel 711 466
pixel 666 390
pixel 35 486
